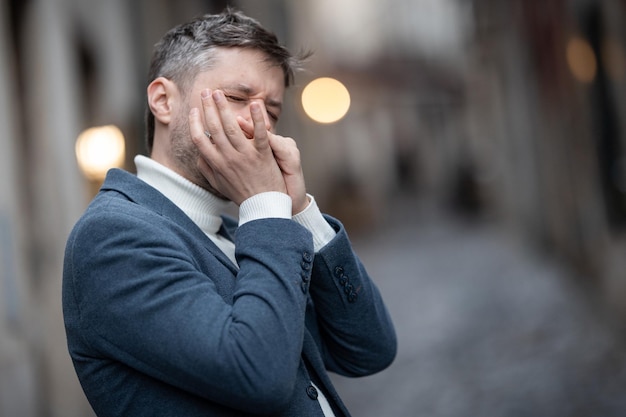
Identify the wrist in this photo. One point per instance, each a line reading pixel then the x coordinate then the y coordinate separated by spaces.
pixel 271 204
pixel 314 221
pixel 301 205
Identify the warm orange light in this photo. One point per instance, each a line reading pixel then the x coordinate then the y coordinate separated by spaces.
pixel 98 149
pixel 325 100
pixel 581 60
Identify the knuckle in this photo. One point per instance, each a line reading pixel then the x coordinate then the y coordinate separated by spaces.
pixel 231 131
pixel 212 126
pixel 196 138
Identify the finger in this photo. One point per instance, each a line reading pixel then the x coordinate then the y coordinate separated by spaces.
pixel 208 151
pixel 198 137
pixel 228 121
pixel 212 120
pixel 206 170
pixel 286 152
pixel 261 140
pixel 266 118
pixel 246 127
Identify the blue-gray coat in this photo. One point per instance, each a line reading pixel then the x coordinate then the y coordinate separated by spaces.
pixel 161 323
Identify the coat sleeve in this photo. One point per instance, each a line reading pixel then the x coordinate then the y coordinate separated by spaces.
pixel 355 331
pixel 143 294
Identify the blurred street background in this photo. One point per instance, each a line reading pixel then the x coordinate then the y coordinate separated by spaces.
pixel 480 170
pixel 487 327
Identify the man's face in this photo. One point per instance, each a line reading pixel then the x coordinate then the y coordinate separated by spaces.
pixel 245 76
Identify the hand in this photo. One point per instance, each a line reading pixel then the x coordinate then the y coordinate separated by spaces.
pixel 235 166
pixel 287 156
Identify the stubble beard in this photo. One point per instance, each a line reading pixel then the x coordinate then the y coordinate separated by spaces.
pixel 186 155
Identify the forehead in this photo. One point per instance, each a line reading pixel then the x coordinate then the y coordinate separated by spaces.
pixel 243 66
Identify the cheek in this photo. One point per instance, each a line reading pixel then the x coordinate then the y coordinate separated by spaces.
pixel 193 100
pixel 189 104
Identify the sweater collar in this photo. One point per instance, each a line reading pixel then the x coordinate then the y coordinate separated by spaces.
pixel 202 207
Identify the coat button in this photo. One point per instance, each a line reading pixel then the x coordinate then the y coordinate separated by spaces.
pixel 305 286
pixel 352 297
pixel 307 257
pixel 311 392
pixel 338 271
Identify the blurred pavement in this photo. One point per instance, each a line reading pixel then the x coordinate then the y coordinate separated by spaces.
pixel 486 328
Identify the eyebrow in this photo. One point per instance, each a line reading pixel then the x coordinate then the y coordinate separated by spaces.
pixel 245 89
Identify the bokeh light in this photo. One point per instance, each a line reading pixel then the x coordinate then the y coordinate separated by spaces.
pixel 581 60
pixel 98 149
pixel 325 100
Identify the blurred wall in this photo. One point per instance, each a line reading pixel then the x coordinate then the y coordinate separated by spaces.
pixel 546 88
pixel 17 381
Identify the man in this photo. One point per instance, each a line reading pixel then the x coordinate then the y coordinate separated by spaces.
pixel 174 310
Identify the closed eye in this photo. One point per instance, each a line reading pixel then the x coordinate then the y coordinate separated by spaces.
pixel 236 98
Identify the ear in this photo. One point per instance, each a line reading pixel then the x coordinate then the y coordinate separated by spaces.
pixel 161 93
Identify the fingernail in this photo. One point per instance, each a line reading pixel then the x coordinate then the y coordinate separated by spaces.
pixel 205 93
pixel 218 95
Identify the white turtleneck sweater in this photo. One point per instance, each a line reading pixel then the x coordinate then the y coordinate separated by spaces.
pixel 205 210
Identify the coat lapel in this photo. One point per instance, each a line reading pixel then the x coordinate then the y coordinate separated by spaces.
pixel 146 196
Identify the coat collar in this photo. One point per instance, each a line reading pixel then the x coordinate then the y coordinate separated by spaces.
pixel 150 198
